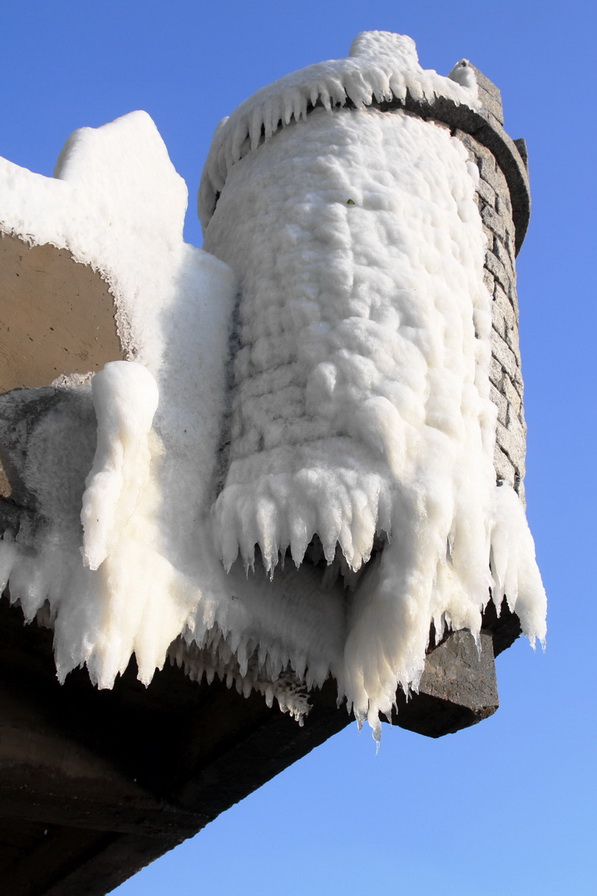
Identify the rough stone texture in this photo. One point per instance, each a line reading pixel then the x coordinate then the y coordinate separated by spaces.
pixel 28 419
pixel 496 206
pixel 458 687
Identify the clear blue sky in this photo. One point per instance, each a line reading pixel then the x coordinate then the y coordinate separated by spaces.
pixel 507 807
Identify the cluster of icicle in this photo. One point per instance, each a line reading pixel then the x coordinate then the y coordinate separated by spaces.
pixel 382 68
pixel 242 665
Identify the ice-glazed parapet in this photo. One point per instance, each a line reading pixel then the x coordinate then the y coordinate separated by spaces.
pixel 382 67
pixel 361 411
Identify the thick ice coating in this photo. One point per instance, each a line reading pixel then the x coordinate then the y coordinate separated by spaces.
pixel 359 430
pixel 361 409
pixel 119 560
pixel 125 398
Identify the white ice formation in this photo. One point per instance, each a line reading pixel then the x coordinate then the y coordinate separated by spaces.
pixel 382 67
pixel 360 416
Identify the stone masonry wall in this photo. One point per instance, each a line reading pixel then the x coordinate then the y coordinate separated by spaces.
pixel 496 211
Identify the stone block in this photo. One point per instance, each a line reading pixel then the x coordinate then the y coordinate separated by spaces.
pixel 469 142
pixel 490 95
pixel 521 146
pixel 502 352
pixel 503 204
pixel 498 324
pixel 504 468
pixel 494 176
pixel 489 238
pixel 513 444
pixel 504 247
pixel 458 687
pixel 489 280
pixel 496 373
pixel 488 168
pixel 495 222
pixel 504 310
pixel 501 403
pixel 513 396
pixel 487 193
pixel 501 273
pixel 513 340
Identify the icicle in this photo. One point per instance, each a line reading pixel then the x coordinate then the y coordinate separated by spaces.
pixel 125 397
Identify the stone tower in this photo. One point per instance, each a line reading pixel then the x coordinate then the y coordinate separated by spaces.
pixel 372 212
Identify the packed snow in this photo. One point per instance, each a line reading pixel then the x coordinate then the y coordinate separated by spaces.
pixel 344 256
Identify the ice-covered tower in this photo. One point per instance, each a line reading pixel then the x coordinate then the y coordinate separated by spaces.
pixel 368 213
pixel 372 211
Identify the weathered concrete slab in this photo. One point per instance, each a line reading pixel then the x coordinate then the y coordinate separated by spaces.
pixel 57 316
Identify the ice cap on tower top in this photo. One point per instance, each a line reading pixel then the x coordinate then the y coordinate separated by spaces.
pixel 382 68
pixel 398 47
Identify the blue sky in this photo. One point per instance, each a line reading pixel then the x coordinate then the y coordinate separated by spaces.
pixel 507 807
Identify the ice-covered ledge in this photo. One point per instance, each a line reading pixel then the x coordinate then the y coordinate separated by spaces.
pixel 458 687
pixel 116 207
pixel 96 271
